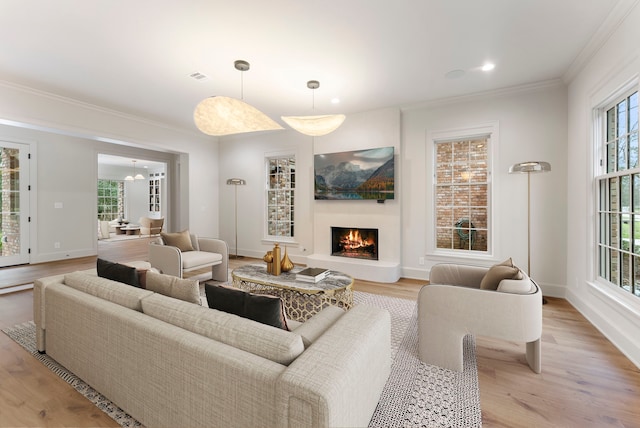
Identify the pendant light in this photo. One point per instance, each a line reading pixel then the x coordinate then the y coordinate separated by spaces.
pixel 218 115
pixel 135 176
pixel 315 126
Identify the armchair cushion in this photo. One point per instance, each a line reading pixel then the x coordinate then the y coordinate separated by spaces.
pixel 181 240
pixel 192 259
pixel 504 270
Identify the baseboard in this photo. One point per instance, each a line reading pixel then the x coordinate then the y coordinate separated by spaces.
pixel 622 335
pixel 56 256
pixel 15 288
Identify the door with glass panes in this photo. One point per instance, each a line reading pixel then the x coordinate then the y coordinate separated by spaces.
pixel 14 199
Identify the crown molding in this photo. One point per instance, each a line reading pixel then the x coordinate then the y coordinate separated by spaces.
pixel 92 107
pixel 495 93
pixel 615 18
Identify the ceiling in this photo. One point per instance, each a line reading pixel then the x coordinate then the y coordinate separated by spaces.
pixel 137 56
pixel 125 162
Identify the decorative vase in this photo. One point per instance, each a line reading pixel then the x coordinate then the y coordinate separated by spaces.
pixel 286 265
pixel 268 258
pixel 276 260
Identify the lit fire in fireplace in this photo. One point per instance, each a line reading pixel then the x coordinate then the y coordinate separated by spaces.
pixel 353 240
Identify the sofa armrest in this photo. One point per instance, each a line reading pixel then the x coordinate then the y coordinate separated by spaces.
pixel 212 245
pixel 338 380
pixel 39 319
pixel 166 258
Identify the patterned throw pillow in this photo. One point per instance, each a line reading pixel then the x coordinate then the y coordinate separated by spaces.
pixel 262 308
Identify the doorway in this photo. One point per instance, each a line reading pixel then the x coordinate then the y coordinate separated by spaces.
pixel 14 200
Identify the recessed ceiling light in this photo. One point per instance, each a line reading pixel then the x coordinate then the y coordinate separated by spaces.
pixel 335 101
pixel 488 66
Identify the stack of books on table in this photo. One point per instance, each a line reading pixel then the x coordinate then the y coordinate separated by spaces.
pixel 312 274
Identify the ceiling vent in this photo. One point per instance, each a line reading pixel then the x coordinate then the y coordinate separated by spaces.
pixel 196 75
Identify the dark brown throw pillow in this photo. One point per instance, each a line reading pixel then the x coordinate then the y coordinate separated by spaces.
pixel 225 299
pixel 262 308
pixel 117 272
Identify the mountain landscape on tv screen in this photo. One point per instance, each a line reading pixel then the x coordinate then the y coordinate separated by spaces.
pixel 364 174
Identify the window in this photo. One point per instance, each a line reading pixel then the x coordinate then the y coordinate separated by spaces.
pixel 618 198
pixel 110 199
pixel 462 194
pixel 281 183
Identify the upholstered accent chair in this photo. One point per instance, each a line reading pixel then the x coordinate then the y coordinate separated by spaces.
pixel 150 226
pixel 176 253
pixel 104 229
pixel 454 304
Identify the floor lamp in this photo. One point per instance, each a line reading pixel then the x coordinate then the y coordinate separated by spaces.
pixel 531 167
pixel 236 182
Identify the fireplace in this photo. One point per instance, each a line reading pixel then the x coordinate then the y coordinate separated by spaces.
pixel 354 242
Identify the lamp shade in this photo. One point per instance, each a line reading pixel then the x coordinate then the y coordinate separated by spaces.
pixel 530 166
pixel 220 116
pixel 315 126
pixel 236 181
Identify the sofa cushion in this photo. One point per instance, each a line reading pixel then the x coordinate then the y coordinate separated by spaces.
pixel 504 270
pixel 182 240
pixel 192 259
pixel 113 291
pixel 263 308
pixel 117 272
pixel 172 286
pixel 259 339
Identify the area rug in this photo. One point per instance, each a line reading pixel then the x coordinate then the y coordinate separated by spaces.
pixel 416 394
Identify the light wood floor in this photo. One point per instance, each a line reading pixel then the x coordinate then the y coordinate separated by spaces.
pixel 585 380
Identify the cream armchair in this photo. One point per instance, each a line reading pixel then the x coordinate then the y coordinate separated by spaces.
pixel 453 305
pixel 150 226
pixel 190 254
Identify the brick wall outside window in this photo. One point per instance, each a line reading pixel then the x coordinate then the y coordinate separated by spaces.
pixel 462 194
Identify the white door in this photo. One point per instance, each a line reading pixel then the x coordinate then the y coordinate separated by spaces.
pixel 14 200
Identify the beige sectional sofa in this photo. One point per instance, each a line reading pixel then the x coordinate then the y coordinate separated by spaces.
pixel 172 363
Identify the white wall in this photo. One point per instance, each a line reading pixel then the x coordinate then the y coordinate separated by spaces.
pixel 68 136
pixel 612 311
pixel 532 126
pixel 244 157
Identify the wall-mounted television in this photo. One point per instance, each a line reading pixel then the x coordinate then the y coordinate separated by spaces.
pixel 355 175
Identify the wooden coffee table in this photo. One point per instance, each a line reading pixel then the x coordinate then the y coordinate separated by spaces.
pixel 301 299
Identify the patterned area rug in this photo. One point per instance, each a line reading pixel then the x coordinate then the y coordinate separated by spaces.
pixel 416 394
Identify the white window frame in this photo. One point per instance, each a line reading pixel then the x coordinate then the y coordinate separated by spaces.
pixel 491 131
pixel 274 238
pixel 599 172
